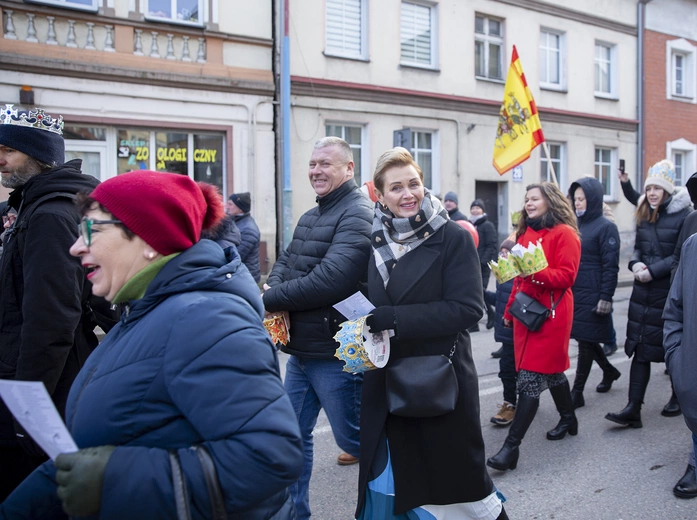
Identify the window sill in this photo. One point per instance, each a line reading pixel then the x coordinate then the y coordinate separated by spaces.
pixel 71 7
pixel 344 57
pixel 414 66
pixel 172 21
pixel 490 80
pixel 554 88
pixel 605 95
pixel 682 99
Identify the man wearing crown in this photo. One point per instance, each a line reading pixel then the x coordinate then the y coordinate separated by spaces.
pixel 42 334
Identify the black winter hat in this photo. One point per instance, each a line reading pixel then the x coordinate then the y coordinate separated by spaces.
pixel 451 195
pixel 242 201
pixel 480 203
pixel 43 145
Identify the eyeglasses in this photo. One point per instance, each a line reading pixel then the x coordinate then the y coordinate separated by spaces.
pixel 86 228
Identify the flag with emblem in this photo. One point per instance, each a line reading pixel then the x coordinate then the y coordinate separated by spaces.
pixel 519 130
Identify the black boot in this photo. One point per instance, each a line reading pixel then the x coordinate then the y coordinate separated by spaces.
pixel 490 317
pixel 583 369
pixel 672 409
pixel 610 373
pixel 630 416
pixel 568 423
pixel 507 457
pixel 687 485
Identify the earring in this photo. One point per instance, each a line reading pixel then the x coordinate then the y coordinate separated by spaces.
pixel 151 255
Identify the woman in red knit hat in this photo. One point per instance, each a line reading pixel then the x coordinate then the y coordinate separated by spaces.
pixel 181 408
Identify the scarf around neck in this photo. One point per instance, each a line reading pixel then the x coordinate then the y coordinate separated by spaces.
pixel 393 237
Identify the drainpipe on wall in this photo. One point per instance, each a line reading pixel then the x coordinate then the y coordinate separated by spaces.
pixel 287 200
pixel 641 11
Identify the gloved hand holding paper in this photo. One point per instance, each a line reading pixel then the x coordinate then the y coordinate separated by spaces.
pixel 33 408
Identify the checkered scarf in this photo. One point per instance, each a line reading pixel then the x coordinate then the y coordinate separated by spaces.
pixel 394 237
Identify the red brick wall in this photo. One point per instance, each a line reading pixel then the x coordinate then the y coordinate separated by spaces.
pixel 666 120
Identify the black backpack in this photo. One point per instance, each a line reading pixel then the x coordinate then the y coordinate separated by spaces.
pixel 96 311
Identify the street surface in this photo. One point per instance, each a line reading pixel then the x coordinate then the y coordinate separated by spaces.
pixel 603 473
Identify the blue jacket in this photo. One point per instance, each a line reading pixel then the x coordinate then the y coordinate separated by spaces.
pixel 503 293
pixel 249 244
pixel 189 363
pixel 597 274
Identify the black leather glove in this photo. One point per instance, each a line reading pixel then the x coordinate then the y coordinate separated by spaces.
pixel 80 476
pixel 27 443
pixel 382 318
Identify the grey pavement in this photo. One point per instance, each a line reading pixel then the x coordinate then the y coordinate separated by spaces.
pixel 603 473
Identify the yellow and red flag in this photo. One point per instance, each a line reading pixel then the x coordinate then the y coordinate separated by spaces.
pixel 519 130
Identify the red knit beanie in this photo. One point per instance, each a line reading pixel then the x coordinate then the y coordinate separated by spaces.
pixel 167 210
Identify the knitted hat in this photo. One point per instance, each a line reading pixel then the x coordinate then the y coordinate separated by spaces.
pixel 507 244
pixel 35 134
pixel 242 201
pixel 691 186
pixel 662 174
pixel 479 203
pixel 167 210
pixel 451 196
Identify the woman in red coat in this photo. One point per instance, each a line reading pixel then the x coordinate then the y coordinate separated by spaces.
pixel 542 357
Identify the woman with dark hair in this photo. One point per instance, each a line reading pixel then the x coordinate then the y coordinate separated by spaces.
pixel 542 356
pixel 660 214
pixel 594 287
pixel 181 409
pixel 425 282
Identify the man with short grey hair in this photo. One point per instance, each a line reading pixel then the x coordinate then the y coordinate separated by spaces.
pixel 43 334
pixel 324 264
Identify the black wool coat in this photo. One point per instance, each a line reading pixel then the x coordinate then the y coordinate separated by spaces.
pixel 503 293
pixel 436 294
pixel 655 246
pixel 44 335
pixel 488 241
pixel 323 264
pixel 597 274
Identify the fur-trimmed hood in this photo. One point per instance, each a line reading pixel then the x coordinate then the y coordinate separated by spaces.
pixel 678 201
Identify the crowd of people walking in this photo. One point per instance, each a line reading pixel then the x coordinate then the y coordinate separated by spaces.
pixel 156 436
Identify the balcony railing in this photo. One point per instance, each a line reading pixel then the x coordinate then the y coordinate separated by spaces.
pixel 76 33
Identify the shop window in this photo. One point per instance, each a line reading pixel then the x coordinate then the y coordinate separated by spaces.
pixel 133 150
pixel 171 152
pixel 209 158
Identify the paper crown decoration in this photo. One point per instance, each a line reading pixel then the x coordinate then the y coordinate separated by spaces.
pixel 360 349
pixel 522 261
pixel 277 327
pixel 33 119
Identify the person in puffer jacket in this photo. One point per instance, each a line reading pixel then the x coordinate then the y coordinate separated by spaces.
pixel 660 215
pixel 188 376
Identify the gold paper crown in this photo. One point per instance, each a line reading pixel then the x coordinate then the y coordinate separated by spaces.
pixel 530 260
pixel 505 269
pixel 33 119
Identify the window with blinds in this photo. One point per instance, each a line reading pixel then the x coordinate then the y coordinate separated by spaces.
pixel 345 28
pixel 417 34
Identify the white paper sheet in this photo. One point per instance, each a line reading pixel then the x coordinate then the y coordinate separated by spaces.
pixel 355 306
pixel 33 408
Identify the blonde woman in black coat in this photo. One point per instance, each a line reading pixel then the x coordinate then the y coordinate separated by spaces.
pixel 425 282
pixel 660 214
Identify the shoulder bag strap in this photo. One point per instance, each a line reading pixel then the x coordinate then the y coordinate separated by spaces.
pixel 215 494
pixel 181 495
pixel 558 300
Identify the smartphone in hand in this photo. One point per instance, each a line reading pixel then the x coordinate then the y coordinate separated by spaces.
pixel 621 165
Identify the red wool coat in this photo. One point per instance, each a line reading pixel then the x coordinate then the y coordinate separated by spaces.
pixel 547 350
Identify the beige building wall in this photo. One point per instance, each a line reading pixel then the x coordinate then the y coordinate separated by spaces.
pixel 380 94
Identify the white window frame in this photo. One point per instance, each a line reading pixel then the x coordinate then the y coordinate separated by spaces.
pixel 612 196
pixel 69 5
pixel 433 13
pixel 689 153
pixel 366 174
pixel 334 8
pixel 435 155
pixel 559 165
pixel 612 66
pixel 202 9
pixel 486 40
pixel 544 84
pixel 681 47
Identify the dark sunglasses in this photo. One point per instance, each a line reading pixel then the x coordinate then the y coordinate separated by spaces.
pixel 86 228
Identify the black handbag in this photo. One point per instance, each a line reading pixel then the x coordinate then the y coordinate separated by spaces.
pixel 421 386
pixel 531 313
pixel 181 494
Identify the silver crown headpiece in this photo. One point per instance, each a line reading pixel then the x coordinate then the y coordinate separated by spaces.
pixel 33 119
